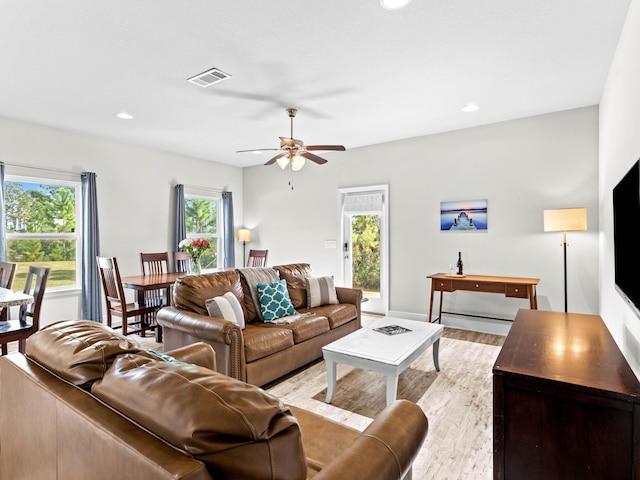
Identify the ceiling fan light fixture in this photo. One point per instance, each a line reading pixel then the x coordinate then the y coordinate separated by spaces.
pixel 297 162
pixel 283 162
pixel 394 4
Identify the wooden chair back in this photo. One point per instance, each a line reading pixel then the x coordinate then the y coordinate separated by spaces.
pixel 37 278
pixel 154 263
pixel 257 258
pixel 111 282
pixel 7 273
pixel 181 261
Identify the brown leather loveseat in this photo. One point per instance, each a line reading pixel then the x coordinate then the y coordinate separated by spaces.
pixel 261 352
pixel 86 402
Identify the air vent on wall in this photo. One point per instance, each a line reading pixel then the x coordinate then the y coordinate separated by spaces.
pixel 208 78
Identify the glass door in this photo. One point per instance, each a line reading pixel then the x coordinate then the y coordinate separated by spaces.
pixel 364 245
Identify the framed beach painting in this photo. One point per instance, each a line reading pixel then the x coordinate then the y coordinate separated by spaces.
pixel 463 215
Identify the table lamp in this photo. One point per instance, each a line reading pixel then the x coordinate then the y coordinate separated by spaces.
pixel 244 235
pixel 565 220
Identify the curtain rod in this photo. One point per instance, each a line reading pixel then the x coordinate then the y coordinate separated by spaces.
pixel 206 189
pixel 44 169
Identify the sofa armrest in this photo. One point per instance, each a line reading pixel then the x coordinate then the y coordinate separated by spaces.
pixel 200 353
pixel 386 449
pixel 351 295
pixel 212 329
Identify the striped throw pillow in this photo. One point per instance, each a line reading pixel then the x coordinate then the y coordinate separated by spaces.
pixel 227 306
pixel 320 291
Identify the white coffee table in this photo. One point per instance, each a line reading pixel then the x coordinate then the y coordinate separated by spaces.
pixel 376 351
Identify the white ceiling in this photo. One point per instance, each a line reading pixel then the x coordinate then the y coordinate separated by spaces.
pixel 358 74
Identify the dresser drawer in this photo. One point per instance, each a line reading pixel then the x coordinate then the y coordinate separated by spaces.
pixel 518 291
pixel 479 286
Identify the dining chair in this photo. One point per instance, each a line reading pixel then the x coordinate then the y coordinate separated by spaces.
pixel 181 261
pixel 117 303
pixel 257 258
pixel 28 321
pixel 7 272
pixel 155 264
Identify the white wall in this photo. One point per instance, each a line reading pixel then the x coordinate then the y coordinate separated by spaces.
pixel 521 167
pixel 619 149
pixel 135 191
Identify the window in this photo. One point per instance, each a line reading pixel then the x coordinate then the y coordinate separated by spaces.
pixel 43 229
pixel 203 220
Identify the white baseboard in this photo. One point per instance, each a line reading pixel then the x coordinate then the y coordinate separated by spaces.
pixel 474 324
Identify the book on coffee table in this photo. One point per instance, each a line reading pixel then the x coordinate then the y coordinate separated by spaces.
pixel 392 329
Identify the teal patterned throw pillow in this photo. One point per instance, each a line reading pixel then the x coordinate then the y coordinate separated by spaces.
pixel 274 300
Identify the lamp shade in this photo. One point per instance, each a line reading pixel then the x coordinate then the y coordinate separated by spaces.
pixel 283 162
pixel 297 162
pixel 244 235
pixel 565 220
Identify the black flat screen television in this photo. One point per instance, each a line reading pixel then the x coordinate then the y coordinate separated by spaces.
pixel 626 242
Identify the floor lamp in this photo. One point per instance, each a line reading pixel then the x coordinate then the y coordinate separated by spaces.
pixel 565 220
pixel 244 235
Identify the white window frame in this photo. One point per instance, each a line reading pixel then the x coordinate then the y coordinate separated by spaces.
pixel 219 237
pixel 77 235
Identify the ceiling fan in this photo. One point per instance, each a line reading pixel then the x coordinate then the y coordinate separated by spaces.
pixel 293 152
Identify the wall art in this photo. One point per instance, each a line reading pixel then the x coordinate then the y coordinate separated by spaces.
pixel 467 215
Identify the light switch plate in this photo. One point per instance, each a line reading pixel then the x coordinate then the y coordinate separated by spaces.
pixel 329 244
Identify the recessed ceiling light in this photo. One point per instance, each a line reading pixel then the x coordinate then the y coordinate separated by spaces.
pixel 257 152
pixel 124 116
pixel 394 4
pixel 470 107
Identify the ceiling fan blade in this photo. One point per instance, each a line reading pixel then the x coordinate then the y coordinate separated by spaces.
pixel 273 160
pixel 258 150
pixel 313 158
pixel 338 148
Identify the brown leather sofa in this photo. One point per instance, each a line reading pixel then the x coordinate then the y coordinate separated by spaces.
pixel 262 352
pixel 86 402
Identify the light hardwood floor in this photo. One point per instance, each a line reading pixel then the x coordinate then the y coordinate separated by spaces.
pixel 457 401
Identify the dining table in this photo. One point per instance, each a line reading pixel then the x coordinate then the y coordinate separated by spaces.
pixel 144 283
pixel 10 298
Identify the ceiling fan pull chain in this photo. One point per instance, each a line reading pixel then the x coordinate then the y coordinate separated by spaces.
pixel 291 173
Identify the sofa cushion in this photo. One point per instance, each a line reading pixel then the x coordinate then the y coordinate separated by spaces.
pixel 226 306
pixel 303 328
pixel 237 429
pixel 274 300
pixel 261 342
pixel 192 291
pixel 295 275
pixel 337 314
pixel 79 351
pixel 320 291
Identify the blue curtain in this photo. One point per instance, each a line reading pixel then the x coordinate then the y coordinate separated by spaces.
pixel 3 226
pixel 181 223
pixel 91 283
pixel 228 241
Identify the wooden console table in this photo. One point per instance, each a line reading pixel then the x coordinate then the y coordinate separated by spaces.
pixel 566 403
pixel 508 286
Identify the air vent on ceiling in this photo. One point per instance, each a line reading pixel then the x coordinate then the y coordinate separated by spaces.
pixel 208 78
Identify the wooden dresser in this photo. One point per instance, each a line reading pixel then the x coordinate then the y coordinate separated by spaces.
pixel 565 401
